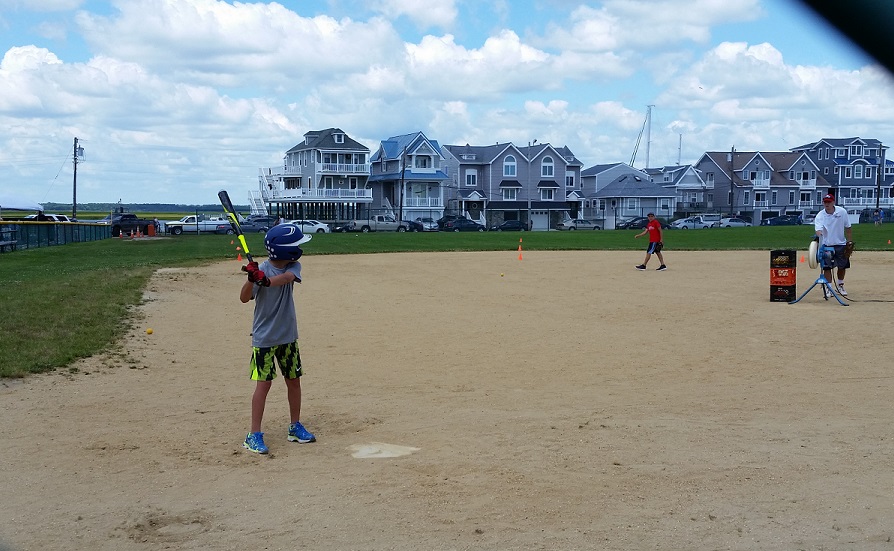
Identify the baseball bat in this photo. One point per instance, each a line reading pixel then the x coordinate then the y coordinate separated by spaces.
pixel 234 220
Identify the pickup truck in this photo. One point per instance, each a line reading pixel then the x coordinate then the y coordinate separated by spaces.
pixel 198 224
pixel 376 222
pixel 127 223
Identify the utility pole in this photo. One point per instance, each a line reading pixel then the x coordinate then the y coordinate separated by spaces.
pixel 648 133
pixel 78 152
pixel 403 170
pixel 732 195
pixel 878 176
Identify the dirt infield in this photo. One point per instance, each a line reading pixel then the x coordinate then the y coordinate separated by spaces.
pixel 571 403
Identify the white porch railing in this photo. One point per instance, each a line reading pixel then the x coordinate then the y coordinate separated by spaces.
pixel 424 202
pixel 806 204
pixel 807 184
pixel 761 184
pixel 866 201
pixel 336 168
pixel 763 204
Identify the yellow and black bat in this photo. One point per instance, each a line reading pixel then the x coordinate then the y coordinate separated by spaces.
pixel 234 220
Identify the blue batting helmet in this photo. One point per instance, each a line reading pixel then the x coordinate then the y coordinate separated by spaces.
pixel 283 240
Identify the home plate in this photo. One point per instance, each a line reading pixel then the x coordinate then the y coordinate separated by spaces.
pixel 379 450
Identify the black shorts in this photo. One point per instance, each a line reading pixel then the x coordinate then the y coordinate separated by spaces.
pixel 836 258
pixel 655 247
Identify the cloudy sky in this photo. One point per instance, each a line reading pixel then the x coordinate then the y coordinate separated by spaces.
pixel 175 99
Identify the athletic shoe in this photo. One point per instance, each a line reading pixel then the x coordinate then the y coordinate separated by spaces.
pixel 254 441
pixel 826 294
pixel 841 290
pixel 297 433
pixel 641 267
pixel 661 268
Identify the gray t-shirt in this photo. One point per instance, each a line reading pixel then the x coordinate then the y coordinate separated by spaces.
pixel 275 321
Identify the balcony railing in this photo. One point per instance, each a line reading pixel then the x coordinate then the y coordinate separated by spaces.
pixel 761 184
pixel 427 202
pixel 337 168
pixel 806 204
pixel 326 168
pixel 762 204
pixel 865 201
pixel 807 184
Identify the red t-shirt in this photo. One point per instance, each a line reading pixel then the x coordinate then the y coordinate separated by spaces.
pixel 654 227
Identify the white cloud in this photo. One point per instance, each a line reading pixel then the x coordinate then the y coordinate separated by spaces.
pixel 423 14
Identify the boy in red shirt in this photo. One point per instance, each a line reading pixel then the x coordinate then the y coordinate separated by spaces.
pixel 653 228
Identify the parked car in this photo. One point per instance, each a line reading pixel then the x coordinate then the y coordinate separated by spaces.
pixel 511 225
pixel 311 226
pixel 731 223
pixel 808 218
pixel 343 227
pixel 253 226
pixel 784 220
pixel 690 222
pixel 50 217
pixel 428 224
pixel 463 224
pixel 260 220
pixel 414 225
pixel 442 221
pixel 577 224
pixel 638 223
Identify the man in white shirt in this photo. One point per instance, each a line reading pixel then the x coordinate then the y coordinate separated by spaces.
pixel 833 228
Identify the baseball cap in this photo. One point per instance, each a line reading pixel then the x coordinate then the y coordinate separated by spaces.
pixel 829 198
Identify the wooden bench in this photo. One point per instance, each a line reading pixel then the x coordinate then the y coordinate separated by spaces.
pixel 11 244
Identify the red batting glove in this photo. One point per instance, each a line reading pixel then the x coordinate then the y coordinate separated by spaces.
pixel 250 267
pixel 256 276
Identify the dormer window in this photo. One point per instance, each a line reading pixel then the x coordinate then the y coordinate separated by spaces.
pixel 339 138
pixel 856 151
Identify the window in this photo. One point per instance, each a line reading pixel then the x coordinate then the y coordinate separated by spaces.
pixel 840 152
pixel 826 170
pixel 819 196
pixel 420 162
pixel 868 172
pixel 631 203
pixel 547 194
pixel 569 180
pixel 709 178
pixel 835 170
pixel 791 197
pixel 664 204
pixel 856 151
pixel 813 175
pixel 471 177
pixel 858 171
pixel 847 172
pixel 509 166
pixel 774 198
pixel 791 174
pixel 546 167
pixel 339 138
pixel 510 194
pixel 602 204
pixel 748 197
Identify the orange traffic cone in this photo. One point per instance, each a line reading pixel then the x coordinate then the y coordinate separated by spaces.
pixel 802 258
pixel 239 257
pixel 519 250
pixel 231 241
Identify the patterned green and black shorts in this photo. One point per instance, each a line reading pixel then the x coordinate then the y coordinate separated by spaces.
pixel 287 357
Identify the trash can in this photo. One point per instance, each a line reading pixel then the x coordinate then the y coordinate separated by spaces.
pixel 150 230
pixel 783 275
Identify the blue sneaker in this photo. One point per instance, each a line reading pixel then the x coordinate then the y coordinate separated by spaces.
pixel 297 433
pixel 254 441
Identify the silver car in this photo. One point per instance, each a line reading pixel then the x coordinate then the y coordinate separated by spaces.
pixel 577 224
pixel 731 223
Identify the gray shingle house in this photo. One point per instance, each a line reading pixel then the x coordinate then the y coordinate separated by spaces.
pixel 538 183
pixel 324 177
pixel 408 177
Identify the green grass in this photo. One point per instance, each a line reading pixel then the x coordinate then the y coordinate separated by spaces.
pixel 68 302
